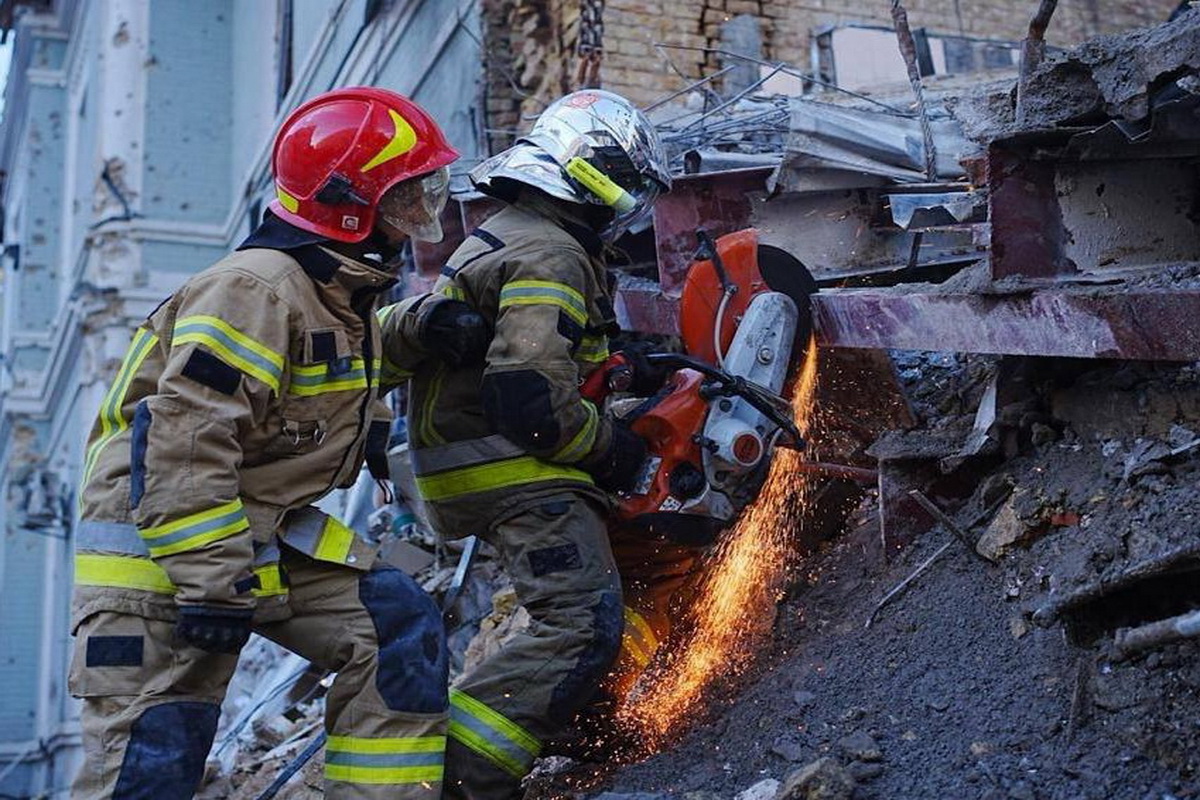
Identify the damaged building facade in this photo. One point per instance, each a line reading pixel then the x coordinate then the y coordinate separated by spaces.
pixel 135 150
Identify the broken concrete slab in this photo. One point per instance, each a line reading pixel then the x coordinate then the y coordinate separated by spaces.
pixel 763 790
pixel 824 779
pixel 1006 529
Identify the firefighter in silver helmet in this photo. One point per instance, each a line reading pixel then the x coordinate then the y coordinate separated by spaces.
pixel 509 450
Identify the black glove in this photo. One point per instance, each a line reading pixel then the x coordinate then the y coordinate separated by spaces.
pixel 456 333
pixel 217 630
pixel 617 470
pixel 647 378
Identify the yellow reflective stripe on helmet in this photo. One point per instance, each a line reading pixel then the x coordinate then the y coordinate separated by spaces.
pixel 527 293
pixel 112 421
pixel 593 349
pixel 492 735
pixel 121 572
pixel 196 530
pixel 312 380
pixel 231 345
pixel 498 475
pixel 395 760
pixel 404 138
pixel 286 200
pixel 581 444
pixel 335 543
pixel 599 184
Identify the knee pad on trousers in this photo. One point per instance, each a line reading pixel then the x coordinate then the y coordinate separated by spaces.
pixel 164 758
pixel 413 663
pixel 578 686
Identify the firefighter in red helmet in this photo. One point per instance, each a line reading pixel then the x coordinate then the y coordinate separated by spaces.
pixel 245 397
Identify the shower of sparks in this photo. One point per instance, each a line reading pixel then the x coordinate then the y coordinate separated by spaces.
pixel 735 606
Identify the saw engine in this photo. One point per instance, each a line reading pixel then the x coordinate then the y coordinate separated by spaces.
pixel 713 427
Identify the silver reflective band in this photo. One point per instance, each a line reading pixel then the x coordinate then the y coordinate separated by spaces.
pixel 110 537
pixel 469 452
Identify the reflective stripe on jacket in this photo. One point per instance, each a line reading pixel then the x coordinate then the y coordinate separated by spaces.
pixel 486 440
pixel 246 396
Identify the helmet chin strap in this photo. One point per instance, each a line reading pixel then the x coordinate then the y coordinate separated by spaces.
pixel 374 250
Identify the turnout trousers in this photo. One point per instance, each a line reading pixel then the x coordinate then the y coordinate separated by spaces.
pixel 151 703
pixel 558 556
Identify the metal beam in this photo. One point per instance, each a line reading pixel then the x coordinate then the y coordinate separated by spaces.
pixel 1070 322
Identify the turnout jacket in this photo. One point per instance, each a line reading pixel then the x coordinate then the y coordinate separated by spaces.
pixel 247 395
pixel 489 440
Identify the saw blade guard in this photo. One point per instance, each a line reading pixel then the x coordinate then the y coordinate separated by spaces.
pixel 723 281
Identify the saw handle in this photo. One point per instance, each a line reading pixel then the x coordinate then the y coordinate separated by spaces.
pixel 614 375
pixel 772 406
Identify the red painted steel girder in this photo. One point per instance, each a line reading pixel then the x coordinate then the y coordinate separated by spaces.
pixel 1071 322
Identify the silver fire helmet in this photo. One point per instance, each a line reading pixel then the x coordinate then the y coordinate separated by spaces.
pixel 590 147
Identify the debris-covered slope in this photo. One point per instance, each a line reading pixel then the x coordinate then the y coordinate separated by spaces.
pixel 971 683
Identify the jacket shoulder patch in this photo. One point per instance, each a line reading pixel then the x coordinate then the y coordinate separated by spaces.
pixel 493 242
pixel 205 368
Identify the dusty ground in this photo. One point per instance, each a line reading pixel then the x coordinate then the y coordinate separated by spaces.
pixel 956 691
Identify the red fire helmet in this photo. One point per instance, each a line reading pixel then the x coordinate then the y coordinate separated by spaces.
pixel 336 156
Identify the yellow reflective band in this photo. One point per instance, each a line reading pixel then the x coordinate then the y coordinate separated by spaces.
pixel 404 138
pixel 196 530
pixel 121 572
pixel 112 421
pixel 233 346
pixel 396 744
pixel 309 381
pixel 416 759
pixel 270 581
pixel 593 349
pixel 497 475
pixel 639 656
pixel 429 436
pixel 531 293
pixel 335 543
pixel 483 747
pixel 581 444
pixel 454 293
pixel 348 773
pixel 644 631
pixel 492 735
pixel 384 313
pixel 496 721
pixel 286 200
pixel 391 375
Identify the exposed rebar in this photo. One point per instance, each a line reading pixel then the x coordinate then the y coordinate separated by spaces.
pixel 1033 51
pixel 908 49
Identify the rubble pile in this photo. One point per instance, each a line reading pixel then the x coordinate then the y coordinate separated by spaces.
pixel 985 678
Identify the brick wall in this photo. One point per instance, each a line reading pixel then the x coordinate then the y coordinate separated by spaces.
pixel 530 42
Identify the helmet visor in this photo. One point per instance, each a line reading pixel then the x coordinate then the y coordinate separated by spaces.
pixel 644 195
pixel 414 207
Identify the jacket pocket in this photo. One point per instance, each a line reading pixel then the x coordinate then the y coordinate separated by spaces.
pixel 119 654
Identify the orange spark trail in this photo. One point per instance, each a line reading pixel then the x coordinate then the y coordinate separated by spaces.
pixel 736 604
